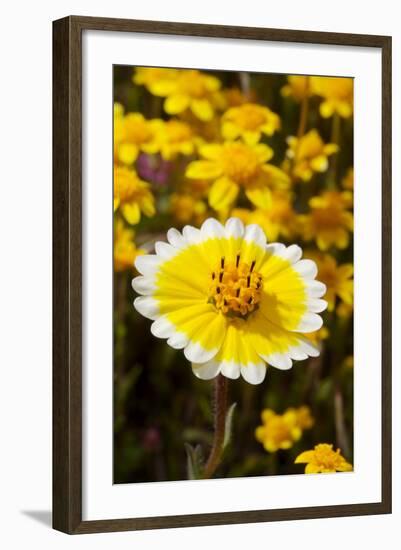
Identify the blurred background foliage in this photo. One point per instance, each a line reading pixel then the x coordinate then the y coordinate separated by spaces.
pixel 159 405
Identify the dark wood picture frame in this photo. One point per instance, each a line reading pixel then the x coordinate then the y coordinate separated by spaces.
pixel 67 274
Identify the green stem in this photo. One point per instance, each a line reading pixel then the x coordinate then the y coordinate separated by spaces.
pixel 220 413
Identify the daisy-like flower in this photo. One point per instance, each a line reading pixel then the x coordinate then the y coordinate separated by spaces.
pixel 309 154
pixel 337 94
pixel 329 221
pixel 185 89
pixel 337 278
pixel 249 122
pixel 323 459
pixel 297 87
pixel 132 195
pixel 175 137
pixel 281 431
pixel 125 250
pixel 278 220
pixel 132 134
pixel 236 165
pixel 229 300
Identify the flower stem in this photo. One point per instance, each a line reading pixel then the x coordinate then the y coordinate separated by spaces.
pixel 303 116
pixel 220 413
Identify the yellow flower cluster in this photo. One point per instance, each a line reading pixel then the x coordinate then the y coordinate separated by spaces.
pixel 323 459
pixel 281 431
pixel 218 148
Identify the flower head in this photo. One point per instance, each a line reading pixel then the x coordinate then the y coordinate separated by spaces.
pixel 175 137
pixel 184 89
pixel 236 165
pixel 297 87
pixel 132 195
pixel 323 459
pixel 125 250
pixel 337 94
pixel 309 154
pixel 280 220
pixel 337 278
pixel 330 220
pixel 229 300
pixel 281 431
pixel 249 121
pixel 132 134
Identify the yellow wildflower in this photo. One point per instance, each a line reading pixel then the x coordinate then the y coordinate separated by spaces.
pixel 348 180
pixel 281 431
pixel 186 89
pixel 297 87
pixel 185 208
pixel 236 165
pixel 132 195
pixel 150 77
pixel 278 220
pixel 323 459
pixel 337 94
pixel 125 251
pixel 309 154
pixel 337 278
pixel 329 221
pixel 249 122
pixel 231 301
pixel 175 137
pixel 132 134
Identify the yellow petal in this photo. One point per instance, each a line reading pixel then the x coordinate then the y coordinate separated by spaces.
pixel 320 163
pixel 175 104
pixel 306 456
pixel 203 169
pixel 162 88
pixel 312 469
pixel 344 109
pixel 127 153
pixel 148 206
pixel 210 151
pixel 116 203
pixel 229 130
pixel 202 109
pixel 326 109
pixel 251 138
pixel 223 193
pixel 260 197
pixel 132 213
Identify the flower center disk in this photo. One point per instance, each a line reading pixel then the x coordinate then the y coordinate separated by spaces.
pixel 236 288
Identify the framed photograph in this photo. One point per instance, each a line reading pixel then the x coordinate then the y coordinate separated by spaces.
pixel 222 275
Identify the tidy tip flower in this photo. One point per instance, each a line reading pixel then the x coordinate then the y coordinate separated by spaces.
pixel 231 301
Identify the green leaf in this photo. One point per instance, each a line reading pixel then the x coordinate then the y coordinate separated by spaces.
pixel 194 461
pixel 228 426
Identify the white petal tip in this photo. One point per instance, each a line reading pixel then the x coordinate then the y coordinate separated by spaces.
pixel 253 373
pixel 206 371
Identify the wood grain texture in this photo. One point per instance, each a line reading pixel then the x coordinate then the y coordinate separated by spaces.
pixel 67 274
